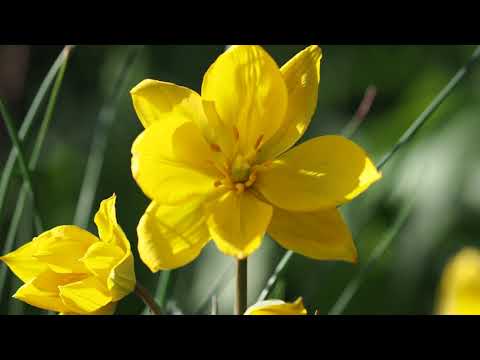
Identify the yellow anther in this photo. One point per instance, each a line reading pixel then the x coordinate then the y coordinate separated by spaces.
pixel 259 141
pixel 251 179
pixel 215 148
pixel 267 163
pixel 240 187
pixel 217 183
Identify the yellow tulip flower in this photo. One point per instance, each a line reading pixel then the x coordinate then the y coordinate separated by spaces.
pixel 277 307
pixel 460 285
pixel 221 166
pixel 71 271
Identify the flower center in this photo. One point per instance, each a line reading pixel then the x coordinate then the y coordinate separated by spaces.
pixel 238 172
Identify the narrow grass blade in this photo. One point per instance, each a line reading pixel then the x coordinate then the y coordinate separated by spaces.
pixel 437 101
pixel 274 277
pixel 28 121
pixel 23 163
pixel 404 139
pixel 96 156
pixel 11 235
pixel 220 283
pixel 354 284
pixel 361 113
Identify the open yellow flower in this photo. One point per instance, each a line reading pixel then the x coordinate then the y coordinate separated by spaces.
pixel 219 166
pixel 71 271
pixel 277 307
pixel 460 285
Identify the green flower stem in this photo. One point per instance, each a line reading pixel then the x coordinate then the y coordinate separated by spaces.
pixel 149 301
pixel 241 293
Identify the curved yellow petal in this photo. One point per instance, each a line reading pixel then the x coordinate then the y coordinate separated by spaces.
pixel 109 230
pixel 43 291
pixel 101 257
pixel 62 247
pixel 320 235
pixel 460 284
pixel 321 173
pixel 153 99
pixel 302 77
pixel 114 262
pixel 85 296
pixel 277 307
pixel 22 263
pixel 108 309
pixel 58 248
pixel 170 161
pixel 249 93
pixel 121 281
pixel 171 236
pixel 237 223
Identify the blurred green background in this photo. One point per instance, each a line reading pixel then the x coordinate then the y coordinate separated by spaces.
pixel 441 168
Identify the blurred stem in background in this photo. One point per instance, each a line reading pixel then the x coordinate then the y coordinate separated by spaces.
pixel 28 121
pixel 12 133
pixel 354 284
pixel 105 120
pixel 15 221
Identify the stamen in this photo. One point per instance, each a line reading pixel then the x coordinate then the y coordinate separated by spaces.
pixel 217 183
pixel 251 179
pixel 240 187
pixel 215 148
pixel 236 134
pixel 259 141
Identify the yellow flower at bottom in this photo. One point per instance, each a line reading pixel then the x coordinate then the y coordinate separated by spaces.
pixel 460 285
pixel 277 307
pixel 71 271
pixel 222 165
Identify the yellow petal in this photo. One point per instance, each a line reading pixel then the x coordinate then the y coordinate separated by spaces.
pixel 237 223
pixel 249 93
pixel 85 296
pixel 277 307
pixel 302 77
pixel 154 99
pixel 320 235
pixel 63 246
pixel 108 309
pixel 43 291
pixel 171 236
pixel 60 248
pixel 460 285
pixel 113 263
pixel 170 161
pixel 323 172
pixel 121 281
pixel 22 263
pixel 108 229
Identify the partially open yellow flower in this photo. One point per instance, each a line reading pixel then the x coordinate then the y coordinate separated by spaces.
pixel 219 166
pixel 71 271
pixel 460 285
pixel 277 307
